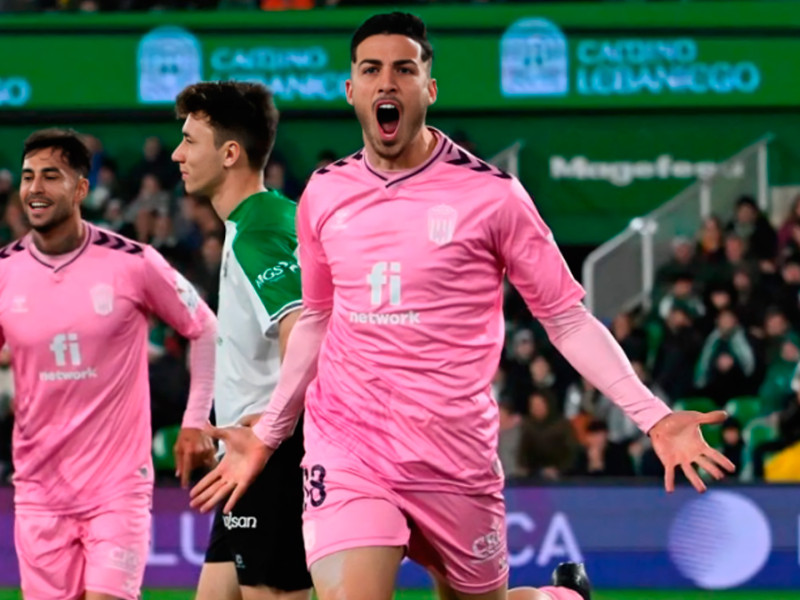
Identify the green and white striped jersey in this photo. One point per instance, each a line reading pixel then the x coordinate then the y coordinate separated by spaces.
pixel 259 285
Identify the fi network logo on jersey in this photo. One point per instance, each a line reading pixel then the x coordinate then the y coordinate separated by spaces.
pixel 66 351
pixel 385 281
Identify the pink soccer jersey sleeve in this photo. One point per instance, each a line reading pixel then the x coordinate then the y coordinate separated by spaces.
pixel 170 296
pixel 317 280
pixel 532 259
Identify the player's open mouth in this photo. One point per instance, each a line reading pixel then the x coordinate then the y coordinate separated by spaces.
pixel 388 114
pixel 38 206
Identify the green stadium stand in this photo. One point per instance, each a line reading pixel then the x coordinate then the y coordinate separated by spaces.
pixel 163 441
pixel 698 403
pixel 713 435
pixel 745 409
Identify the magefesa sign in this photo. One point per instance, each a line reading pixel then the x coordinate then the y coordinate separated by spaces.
pixel 535 61
pixel 172 57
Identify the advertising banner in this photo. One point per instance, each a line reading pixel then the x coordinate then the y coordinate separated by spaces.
pixel 629 537
pixel 487 58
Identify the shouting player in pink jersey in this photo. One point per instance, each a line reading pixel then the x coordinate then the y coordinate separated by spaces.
pixel 403 250
pixel 74 307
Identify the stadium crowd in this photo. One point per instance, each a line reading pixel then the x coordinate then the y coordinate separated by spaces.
pixel 722 330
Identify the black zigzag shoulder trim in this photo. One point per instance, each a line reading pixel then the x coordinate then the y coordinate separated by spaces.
pixel 11 249
pixel 476 164
pixel 340 163
pixel 115 242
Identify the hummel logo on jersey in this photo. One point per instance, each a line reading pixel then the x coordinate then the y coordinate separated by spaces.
pixel 234 522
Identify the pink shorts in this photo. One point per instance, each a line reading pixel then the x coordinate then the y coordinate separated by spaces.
pixel 61 556
pixel 458 538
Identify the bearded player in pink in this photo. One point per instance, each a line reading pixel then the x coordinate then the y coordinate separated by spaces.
pixel 403 250
pixel 74 306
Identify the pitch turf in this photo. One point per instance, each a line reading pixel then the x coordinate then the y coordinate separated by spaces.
pixel 608 595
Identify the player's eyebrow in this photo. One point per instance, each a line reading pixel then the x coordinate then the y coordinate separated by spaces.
pixel 398 63
pixel 45 170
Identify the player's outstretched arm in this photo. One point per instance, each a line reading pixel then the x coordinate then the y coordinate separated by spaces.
pixel 194 447
pixel 676 437
pixel 247 450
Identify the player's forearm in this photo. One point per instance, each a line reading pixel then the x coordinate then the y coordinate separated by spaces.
pixel 297 371
pixel 595 354
pixel 202 358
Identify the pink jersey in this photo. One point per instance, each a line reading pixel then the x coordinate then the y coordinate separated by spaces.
pixel 78 335
pixel 412 266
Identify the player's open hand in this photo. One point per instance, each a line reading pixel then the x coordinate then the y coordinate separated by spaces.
pixel 245 457
pixel 677 441
pixel 194 448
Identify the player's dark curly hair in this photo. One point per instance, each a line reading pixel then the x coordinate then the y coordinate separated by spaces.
pixel 68 141
pixel 237 110
pixel 395 22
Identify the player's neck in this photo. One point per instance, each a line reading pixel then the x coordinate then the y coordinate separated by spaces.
pixel 237 188
pixel 65 238
pixel 414 154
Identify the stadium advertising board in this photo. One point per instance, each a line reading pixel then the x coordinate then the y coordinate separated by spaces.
pixel 487 57
pixel 630 537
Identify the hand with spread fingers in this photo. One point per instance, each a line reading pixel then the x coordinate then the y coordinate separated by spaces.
pixel 677 441
pixel 194 448
pixel 245 457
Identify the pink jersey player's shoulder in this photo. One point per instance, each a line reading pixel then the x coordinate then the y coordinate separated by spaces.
pixel 104 239
pixel 338 172
pixel 14 249
pixel 461 164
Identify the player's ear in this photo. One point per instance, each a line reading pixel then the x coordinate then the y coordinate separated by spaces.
pixel 348 91
pixel 82 189
pixel 433 91
pixel 231 153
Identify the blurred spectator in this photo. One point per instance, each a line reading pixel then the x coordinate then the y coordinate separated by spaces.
pixel 544 379
pixel 631 339
pixel 277 177
pixel 106 189
pixel 206 275
pixel 777 383
pixel 710 250
pixel 727 360
pixel 150 198
pixel 777 330
pixel 749 304
pixel 548 446
pixel 681 261
pixel 788 427
pixel 732 442
pixel 754 228
pixel 155 161
pixel 15 223
pixel 508 444
pixel 682 294
pixel 519 383
pixel 207 220
pixel 790 250
pixel 676 355
pixel 144 225
pixel 785 233
pixel 786 291
pixel 719 297
pixel 602 458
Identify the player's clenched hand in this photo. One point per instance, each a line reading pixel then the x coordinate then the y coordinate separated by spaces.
pixel 194 448
pixel 245 457
pixel 677 441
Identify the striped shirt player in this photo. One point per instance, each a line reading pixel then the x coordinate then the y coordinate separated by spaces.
pixel 259 286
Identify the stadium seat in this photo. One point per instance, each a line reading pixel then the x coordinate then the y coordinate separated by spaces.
pixel 163 441
pixel 698 403
pixel 745 408
pixel 713 435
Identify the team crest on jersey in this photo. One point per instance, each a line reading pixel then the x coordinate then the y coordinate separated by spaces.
pixel 102 299
pixel 441 224
pixel 187 293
